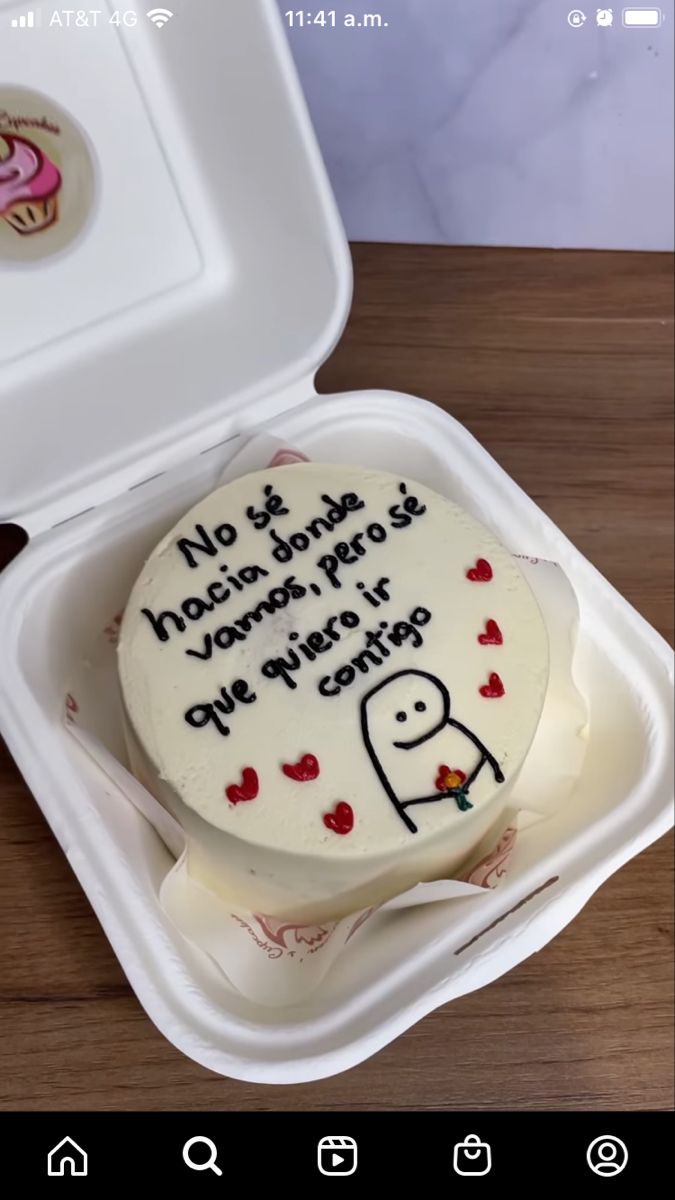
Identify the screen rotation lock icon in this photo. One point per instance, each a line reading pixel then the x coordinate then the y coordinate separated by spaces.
pixel 472 1157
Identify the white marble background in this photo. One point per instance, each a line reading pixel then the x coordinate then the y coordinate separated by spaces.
pixel 494 122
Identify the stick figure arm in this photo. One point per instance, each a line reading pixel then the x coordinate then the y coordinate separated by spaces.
pixel 453 792
pixel 475 773
pixel 485 753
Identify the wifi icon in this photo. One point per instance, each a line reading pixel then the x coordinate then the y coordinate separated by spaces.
pixel 159 16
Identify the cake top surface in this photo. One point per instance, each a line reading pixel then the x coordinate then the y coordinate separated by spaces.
pixel 332 661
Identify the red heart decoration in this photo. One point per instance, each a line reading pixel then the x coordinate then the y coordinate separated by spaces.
pixel 342 820
pixel 492 636
pixel 246 790
pixel 442 776
pixel 307 768
pixel 481 573
pixel 494 688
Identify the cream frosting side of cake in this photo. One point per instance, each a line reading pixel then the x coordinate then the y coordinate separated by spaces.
pixel 331 676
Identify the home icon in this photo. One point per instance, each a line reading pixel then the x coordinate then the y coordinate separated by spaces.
pixel 67 1159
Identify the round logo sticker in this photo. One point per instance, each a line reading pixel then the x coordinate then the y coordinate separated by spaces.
pixel 47 180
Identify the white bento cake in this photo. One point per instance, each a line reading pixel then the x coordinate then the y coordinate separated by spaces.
pixel 331 677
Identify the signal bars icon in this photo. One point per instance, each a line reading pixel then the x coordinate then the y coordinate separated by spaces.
pixel 159 16
pixel 26 21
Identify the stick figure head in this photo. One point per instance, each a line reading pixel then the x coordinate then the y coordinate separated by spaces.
pixel 404 710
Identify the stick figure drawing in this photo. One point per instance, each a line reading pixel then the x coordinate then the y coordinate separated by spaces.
pixel 404 712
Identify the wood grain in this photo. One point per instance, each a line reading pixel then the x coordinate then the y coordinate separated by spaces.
pixel 561 364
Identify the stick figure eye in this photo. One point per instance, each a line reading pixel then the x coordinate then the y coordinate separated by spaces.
pixel 420 706
pixel 401 716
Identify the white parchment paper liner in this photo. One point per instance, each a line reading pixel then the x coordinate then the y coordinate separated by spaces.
pixel 276 962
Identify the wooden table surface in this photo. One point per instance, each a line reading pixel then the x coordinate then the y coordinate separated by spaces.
pixel 561 364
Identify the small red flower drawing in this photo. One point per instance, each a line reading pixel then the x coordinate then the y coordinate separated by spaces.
pixel 72 707
pixel 448 778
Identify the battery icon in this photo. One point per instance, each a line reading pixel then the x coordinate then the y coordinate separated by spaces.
pixel 642 18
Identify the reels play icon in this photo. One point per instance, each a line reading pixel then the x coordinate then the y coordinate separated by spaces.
pixel 337 1156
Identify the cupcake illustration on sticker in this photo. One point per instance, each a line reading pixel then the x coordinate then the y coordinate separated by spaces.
pixel 29 187
pixel 47 178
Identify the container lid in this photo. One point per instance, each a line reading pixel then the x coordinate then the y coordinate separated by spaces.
pixel 172 264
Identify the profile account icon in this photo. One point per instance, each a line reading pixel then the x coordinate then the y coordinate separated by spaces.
pixel 607 1155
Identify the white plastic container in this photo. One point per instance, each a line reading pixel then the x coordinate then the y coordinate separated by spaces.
pixel 113 429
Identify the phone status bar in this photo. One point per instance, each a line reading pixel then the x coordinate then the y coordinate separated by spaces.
pixel 89 18
pixel 608 18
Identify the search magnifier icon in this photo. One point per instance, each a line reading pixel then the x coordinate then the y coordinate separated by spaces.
pixel 210 1163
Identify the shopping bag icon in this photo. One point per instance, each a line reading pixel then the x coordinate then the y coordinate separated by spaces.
pixel 472 1157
